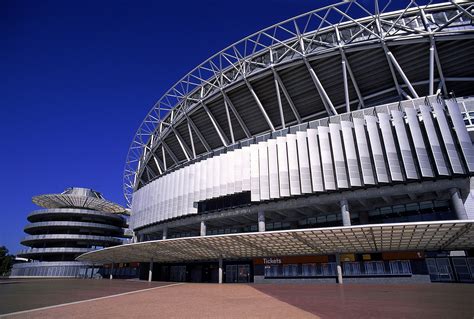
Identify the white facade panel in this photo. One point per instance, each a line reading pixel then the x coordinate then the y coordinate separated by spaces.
pixel 351 154
pixel 303 161
pixel 404 145
pixel 197 182
pixel 273 168
pixel 326 158
pixel 338 155
pixel 418 143
pixel 295 186
pixel 448 140
pixel 263 171
pixel 230 171
pixel 390 148
pixel 216 162
pixel 245 155
pixel 376 146
pixel 238 171
pixel 364 155
pixel 435 143
pixel 461 132
pixel 315 161
pixel 209 178
pixel 181 176
pixel 254 174
pixel 283 175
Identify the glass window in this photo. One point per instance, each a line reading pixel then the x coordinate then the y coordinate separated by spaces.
pixel 290 270
pixel 374 267
pixel 309 270
pixel 400 267
pixel 351 268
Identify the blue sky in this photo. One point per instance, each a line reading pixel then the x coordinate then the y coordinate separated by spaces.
pixel 78 77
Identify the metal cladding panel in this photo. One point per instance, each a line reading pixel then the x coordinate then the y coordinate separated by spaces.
pixel 419 144
pixel 263 171
pixel 376 146
pixel 283 175
pixel 167 201
pixel 230 171
pixel 210 177
pixel 222 191
pixel 238 171
pixel 364 154
pixel 197 182
pixel 390 147
pixel 448 140
pixel 351 154
pixel 295 188
pixel 177 181
pixel 189 186
pixel 273 168
pixel 404 144
pixel 246 184
pixel 338 154
pixel 186 182
pixel 435 145
pixel 182 176
pixel 254 174
pixel 216 176
pixel 326 158
pixel 315 161
pixel 461 132
pixel 303 160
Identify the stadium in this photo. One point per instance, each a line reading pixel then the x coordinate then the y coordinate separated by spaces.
pixel 335 146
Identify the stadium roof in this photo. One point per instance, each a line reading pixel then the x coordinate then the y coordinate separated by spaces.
pixel 305 68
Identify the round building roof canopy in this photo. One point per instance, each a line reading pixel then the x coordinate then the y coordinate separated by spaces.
pixel 78 198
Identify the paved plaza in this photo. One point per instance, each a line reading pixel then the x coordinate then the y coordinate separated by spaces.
pixel 126 299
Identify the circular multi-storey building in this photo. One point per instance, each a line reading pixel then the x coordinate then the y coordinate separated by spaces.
pixel 333 144
pixel 74 222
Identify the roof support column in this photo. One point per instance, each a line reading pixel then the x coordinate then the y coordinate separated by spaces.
pixel 277 89
pixel 150 271
pixel 260 105
pixel 231 130
pixel 261 221
pixel 402 74
pixel 347 68
pixel 203 228
pixel 220 270
pixel 346 87
pixel 111 276
pixel 165 233
pixel 216 125
pixel 322 92
pixel 276 76
pixel 457 204
pixel 236 114
pixel 346 216
pixel 338 269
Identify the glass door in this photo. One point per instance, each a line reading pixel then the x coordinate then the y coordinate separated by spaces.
pixel 243 273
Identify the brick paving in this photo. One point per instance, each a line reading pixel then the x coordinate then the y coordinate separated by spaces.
pixel 432 300
pixel 18 295
pixel 191 300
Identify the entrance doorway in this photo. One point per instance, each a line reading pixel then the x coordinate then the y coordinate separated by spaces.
pixel 237 273
pixel 451 269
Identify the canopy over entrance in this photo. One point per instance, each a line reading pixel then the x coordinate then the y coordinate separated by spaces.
pixel 436 235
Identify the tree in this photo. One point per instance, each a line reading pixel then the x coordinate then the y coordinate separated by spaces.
pixel 6 261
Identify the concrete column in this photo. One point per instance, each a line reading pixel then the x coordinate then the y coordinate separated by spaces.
pixel 220 270
pixel 203 228
pixel 165 233
pixel 364 218
pixel 92 271
pixel 150 271
pixel 111 271
pixel 457 204
pixel 261 221
pixel 338 269
pixel 346 216
pixel 141 237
